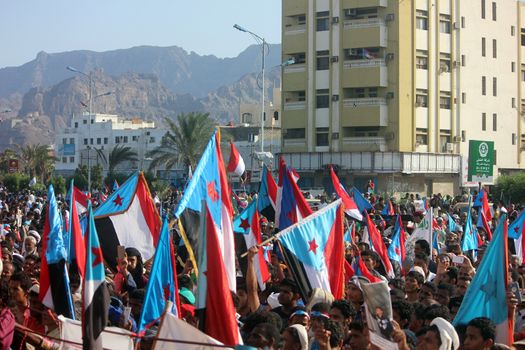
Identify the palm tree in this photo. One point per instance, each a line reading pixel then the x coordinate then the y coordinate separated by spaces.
pixel 184 142
pixel 118 155
pixel 37 159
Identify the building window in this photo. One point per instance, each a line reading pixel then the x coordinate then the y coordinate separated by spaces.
pixel 125 139
pixel 483 9
pixel 323 60
pixel 494 86
pixel 512 30
pixel 421 98
pixel 322 99
pixel 494 122
pixel 99 141
pixel 72 141
pixel 421 62
pixel 483 121
pixel 483 51
pixel 117 139
pixel 513 102
pixel 444 24
pixel 513 67
pixel 76 125
pixel 522 36
pixel 85 141
pixel 321 137
pixel 64 159
pixel 84 121
pixel 296 133
pixel 323 21
pixel 301 19
pixel 494 15
pixel 92 121
pixel 422 20
pixel 483 86
pixel 372 92
pixel 421 137
pixel 523 75
pixel 463 60
pixel 71 159
pixel 152 139
pixel 64 141
pixel 463 97
pixel 462 21
pixel 134 138
pixel 444 102
pixel 494 48
pixel 90 141
pixel 444 65
pixel 299 58
pixel 105 140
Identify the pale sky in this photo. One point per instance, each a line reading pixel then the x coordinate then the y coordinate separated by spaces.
pixel 204 26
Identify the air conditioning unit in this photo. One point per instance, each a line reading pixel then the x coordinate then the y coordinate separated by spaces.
pixel 449 147
pixel 351 12
pixel 335 20
pixel 389 95
pixel 390 17
pixel 334 59
pixel 389 136
pixel 457 139
pixel 389 57
pixel 455 64
pixel 335 136
pixel 456 25
pixel 335 98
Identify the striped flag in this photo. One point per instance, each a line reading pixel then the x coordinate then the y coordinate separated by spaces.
pixel 236 164
pixel 95 294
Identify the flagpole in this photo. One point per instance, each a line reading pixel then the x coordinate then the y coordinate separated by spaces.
pixel 290 228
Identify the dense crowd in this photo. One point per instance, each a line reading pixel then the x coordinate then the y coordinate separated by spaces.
pixel 425 294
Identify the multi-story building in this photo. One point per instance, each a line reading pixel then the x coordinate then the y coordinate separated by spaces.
pixel 394 90
pixel 90 136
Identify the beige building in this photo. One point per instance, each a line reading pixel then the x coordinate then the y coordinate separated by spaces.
pixel 394 90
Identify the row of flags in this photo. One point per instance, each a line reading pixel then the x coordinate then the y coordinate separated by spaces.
pixel 311 243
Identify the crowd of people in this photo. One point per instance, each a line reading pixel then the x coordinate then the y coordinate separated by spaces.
pixel 425 293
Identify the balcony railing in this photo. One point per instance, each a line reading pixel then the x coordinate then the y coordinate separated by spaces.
pixel 297 29
pixel 363 23
pixel 376 62
pixel 294 106
pixel 359 102
pixel 295 68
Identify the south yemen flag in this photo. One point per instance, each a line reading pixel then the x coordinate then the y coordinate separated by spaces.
pixel 128 218
pixel 314 251
pixel 487 293
pixel 95 295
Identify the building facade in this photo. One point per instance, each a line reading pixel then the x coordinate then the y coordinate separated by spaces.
pixel 394 90
pixel 90 136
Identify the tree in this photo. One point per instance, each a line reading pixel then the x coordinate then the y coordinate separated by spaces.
pixel 184 142
pixel 5 157
pixel 81 177
pixel 510 188
pixel 37 160
pixel 118 155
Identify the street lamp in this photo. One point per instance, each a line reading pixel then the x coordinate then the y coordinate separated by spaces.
pixel 90 77
pixel 263 43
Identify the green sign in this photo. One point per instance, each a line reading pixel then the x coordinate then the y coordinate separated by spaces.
pixel 480 161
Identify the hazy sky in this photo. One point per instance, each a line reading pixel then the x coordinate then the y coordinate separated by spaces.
pixel 203 26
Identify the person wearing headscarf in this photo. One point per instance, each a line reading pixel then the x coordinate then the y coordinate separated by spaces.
pixel 136 267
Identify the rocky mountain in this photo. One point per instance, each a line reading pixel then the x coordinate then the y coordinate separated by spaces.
pixel 179 71
pixel 46 109
pixel 148 82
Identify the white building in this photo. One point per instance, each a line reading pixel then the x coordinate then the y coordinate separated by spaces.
pixel 87 137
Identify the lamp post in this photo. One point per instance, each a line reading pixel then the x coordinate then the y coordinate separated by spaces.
pixel 263 43
pixel 90 77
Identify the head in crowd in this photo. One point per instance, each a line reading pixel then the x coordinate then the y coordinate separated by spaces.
pixel 480 334
pixel 264 336
pixel 295 337
pixel 342 312
pixel 136 266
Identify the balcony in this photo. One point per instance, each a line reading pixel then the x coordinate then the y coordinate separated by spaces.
pixel 295 29
pixel 295 38
pixel 377 162
pixel 371 144
pixel 368 32
pixel 364 3
pixel 294 106
pixel 365 73
pixel 359 112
